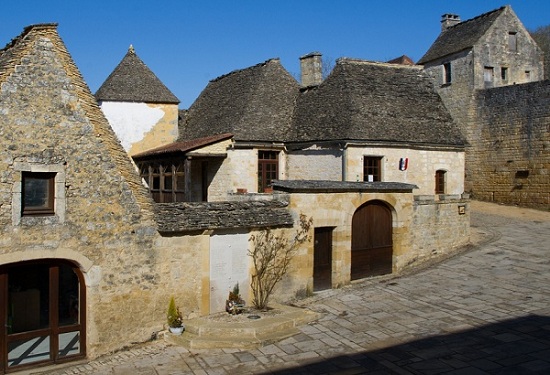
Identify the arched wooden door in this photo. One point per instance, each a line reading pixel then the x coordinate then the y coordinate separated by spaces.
pixel 42 314
pixel 371 240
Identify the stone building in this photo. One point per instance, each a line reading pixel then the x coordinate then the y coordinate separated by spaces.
pixel 355 149
pixel 140 108
pixel 484 69
pixel 88 261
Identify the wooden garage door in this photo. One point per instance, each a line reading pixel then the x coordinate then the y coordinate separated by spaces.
pixel 371 241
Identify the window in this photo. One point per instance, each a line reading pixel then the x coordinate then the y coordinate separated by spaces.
pixel 528 75
pixel 488 74
pixel 38 194
pixel 447 77
pixel 440 182
pixel 166 180
pixel 268 169
pixel 512 41
pixel 504 73
pixel 372 168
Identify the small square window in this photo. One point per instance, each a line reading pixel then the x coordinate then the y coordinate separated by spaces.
pixel 38 194
pixel 372 168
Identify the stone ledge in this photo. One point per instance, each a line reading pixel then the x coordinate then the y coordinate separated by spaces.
pixel 242 333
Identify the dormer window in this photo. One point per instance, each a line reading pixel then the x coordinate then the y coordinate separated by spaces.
pixel 512 41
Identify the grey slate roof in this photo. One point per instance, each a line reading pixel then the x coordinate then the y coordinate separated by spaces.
pixel 359 101
pixel 314 186
pixel 184 217
pixel 461 36
pixel 253 104
pixel 375 102
pixel 133 81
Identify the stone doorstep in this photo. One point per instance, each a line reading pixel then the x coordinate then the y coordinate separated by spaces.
pixel 201 333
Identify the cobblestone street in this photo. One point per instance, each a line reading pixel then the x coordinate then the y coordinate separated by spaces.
pixel 483 311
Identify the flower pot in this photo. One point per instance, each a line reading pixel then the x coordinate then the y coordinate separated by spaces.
pixel 176 330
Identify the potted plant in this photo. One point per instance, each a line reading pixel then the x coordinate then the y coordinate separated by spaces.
pixel 234 304
pixel 174 318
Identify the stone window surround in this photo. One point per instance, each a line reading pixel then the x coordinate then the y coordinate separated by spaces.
pixel 59 193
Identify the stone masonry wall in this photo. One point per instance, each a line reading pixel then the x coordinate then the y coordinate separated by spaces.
pixel 437 227
pixel 512 154
pixel 49 119
pixel 422 165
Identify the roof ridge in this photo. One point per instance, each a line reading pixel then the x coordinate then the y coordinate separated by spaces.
pixel 486 14
pixel 355 61
pixel 259 65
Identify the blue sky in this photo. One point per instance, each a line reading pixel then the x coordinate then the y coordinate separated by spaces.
pixel 188 43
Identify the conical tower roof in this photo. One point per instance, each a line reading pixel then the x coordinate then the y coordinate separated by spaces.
pixel 133 81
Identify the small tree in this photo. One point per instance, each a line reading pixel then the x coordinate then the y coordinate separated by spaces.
pixel 271 255
pixel 173 315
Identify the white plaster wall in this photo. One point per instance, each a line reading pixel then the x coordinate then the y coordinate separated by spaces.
pixel 421 167
pixel 229 265
pixel 131 121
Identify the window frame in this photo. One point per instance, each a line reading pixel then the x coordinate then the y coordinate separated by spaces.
pixel 48 209
pixel 59 193
pixel 504 73
pixel 488 74
pixel 265 169
pixel 375 166
pixel 447 73
pixel 512 41
pixel 440 181
pixel 157 173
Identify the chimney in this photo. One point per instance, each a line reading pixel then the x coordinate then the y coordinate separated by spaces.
pixel 311 69
pixel 448 20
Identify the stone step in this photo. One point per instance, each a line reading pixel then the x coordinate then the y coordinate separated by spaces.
pixel 241 333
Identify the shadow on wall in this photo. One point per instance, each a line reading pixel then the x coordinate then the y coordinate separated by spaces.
pixel 516 346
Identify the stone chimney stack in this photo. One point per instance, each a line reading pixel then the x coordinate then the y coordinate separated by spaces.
pixel 448 20
pixel 311 69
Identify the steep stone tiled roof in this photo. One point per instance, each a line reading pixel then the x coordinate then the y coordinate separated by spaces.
pixel 183 146
pixel 360 100
pixel 253 104
pixel 375 102
pixel 461 36
pixel 314 186
pixel 133 81
pixel 185 217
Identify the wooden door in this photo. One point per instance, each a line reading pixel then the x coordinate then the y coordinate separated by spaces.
pixel 43 314
pixel 371 241
pixel 322 259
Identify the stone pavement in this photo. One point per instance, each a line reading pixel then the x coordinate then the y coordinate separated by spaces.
pixel 484 311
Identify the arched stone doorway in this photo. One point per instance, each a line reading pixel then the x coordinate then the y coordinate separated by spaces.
pixel 43 313
pixel 371 240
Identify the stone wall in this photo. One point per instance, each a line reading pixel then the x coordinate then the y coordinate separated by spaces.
pixel 511 156
pixel 50 121
pixel 422 165
pixel 422 228
pixel 315 164
pixel 437 227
